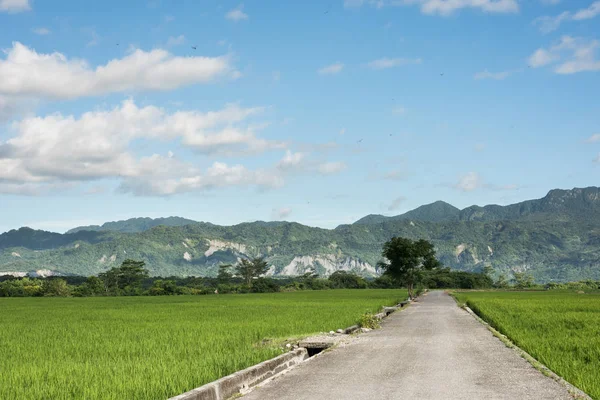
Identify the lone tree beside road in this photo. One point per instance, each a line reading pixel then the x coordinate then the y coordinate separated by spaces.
pixel 406 261
pixel 250 269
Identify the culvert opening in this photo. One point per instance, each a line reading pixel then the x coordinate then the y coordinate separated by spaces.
pixel 314 350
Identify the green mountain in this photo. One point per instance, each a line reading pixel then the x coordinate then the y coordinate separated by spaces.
pixel 564 205
pixel 554 238
pixel 435 212
pixel 134 224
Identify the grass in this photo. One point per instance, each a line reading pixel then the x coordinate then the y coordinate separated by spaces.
pixel 157 347
pixel 561 329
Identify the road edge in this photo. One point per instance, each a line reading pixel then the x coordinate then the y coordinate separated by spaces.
pixel 573 390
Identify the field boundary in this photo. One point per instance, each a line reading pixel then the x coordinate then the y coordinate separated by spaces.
pixel 242 382
pixel 574 391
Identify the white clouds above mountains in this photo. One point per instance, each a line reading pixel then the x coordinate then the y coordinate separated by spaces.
pixel 571 55
pixel 24 72
pixel 58 149
pixel 14 6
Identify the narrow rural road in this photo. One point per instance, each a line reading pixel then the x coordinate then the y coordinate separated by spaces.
pixel 432 350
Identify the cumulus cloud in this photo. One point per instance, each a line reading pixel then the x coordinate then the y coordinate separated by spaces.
pixel 24 72
pixel 237 14
pixel 485 74
pixel 384 63
pixel 331 69
pixel 396 203
pixel 14 6
pixel 443 7
pixel 57 148
pixel 281 213
pixel 41 31
pixel 572 55
pixel 593 139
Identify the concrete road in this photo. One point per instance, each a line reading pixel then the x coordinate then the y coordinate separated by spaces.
pixel 431 350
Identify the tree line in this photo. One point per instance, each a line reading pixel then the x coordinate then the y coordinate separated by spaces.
pixel 405 264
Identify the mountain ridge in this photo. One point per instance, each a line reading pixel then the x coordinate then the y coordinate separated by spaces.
pixel 553 238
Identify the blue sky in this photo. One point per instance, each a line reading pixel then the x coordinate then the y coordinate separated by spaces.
pixel 318 111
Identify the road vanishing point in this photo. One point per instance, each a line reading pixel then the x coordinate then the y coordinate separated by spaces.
pixel 431 350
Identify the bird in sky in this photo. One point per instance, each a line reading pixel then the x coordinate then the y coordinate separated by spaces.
pixel 442 74
pixel 194 47
pixel 359 141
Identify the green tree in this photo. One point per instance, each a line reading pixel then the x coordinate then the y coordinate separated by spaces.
pixel 346 280
pixel 224 275
pixel 250 269
pixel 406 261
pixel 125 279
pixel 522 280
pixel 501 282
pixel 55 287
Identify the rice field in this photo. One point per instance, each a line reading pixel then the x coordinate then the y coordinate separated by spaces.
pixel 560 329
pixel 157 347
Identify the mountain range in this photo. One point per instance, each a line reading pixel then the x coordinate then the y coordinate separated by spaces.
pixel 556 238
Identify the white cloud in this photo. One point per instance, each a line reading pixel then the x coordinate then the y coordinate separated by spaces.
pixel 95 38
pixel 276 76
pixel 24 72
pixel 444 7
pixel 14 6
pixel 541 58
pixel 575 55
pixel 57 149
pixel 281 213
pixel 41 31
pixel 237 14
pixel 549 24
pixel 550 2
pixel 169 18
pixel 593 139
pixel 469 182
pixel 384 63
pixel 176 40
pixel 493 75
pixel 396 203
pixel 592 11
pixel 291 160
pixel 329 168
pixel 331 69
pixel 342 131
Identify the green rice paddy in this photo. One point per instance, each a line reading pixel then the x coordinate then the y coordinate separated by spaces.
pixel 157 347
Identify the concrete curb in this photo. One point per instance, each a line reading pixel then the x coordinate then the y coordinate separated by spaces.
pixel 574 391
pixel 243 380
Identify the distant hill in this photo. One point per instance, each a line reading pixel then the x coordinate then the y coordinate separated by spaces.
pixel 135 224
pixel 558 204
pixel 439 211
pixel 554 238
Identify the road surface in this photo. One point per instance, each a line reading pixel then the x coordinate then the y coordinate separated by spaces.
pixel 431 350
